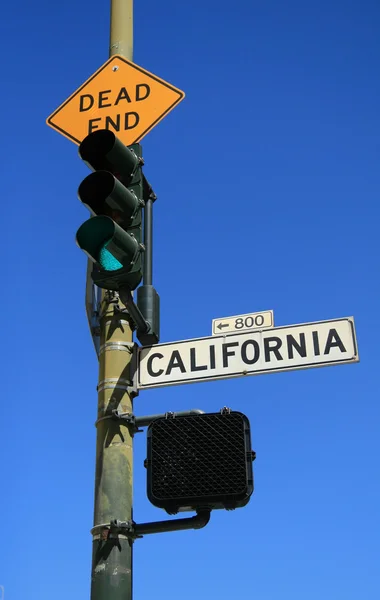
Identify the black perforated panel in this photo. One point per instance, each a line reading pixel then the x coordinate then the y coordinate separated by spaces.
pixel 200 460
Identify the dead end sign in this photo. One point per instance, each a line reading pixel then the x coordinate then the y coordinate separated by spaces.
pixel 120 96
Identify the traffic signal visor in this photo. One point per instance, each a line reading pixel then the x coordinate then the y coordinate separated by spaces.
pixel 103 194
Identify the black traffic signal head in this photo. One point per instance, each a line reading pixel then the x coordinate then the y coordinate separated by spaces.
pixel 103 151
pixel 114 250
pixel 114 194
pixel 200 461
pixel 103 194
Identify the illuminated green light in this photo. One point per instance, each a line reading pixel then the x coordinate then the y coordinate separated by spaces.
pixel 107 261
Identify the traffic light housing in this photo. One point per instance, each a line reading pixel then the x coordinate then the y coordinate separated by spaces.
pixel 200 461
pixel 114 194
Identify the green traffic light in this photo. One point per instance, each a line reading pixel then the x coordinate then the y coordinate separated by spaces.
pixel 107 261
pixel 107 244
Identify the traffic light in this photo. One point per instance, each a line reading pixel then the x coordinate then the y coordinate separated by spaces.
pixel 200 461
pixel 114 194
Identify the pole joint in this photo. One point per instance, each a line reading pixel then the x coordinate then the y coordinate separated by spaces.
pixel 128 419
pixel 133 531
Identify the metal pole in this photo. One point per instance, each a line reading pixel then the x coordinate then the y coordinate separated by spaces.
pixel 121 30
pixel 111 576
pixel 148 242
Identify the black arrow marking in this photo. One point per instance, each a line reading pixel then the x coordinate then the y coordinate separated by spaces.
pixel 222 325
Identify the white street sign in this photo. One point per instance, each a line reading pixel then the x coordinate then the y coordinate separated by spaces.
pixel 239 323
pixel 280 349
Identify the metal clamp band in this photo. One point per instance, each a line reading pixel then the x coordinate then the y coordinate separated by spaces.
pixel 122 346
pixel 127 419
pixel 117 383
pixel 115 529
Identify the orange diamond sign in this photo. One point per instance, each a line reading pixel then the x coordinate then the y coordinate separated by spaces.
pixel 121 97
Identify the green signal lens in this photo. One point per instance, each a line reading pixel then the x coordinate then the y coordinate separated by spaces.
pixel 108 244
pixel 107 261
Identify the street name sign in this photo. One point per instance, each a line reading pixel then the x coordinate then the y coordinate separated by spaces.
pixel 119 96
pixel 287 348
pixel 238 323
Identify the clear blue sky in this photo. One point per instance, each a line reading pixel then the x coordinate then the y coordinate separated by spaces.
pixel 268 183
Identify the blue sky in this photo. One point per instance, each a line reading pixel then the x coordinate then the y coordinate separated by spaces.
pixel 268 184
